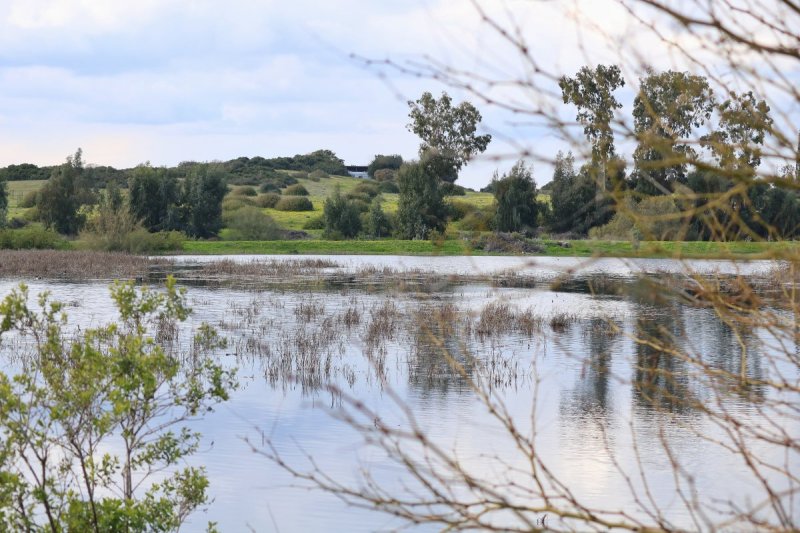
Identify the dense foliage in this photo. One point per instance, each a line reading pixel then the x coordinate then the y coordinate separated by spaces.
pixel 515 194
pixel 421 208
pixel 60 199
pixel 341 216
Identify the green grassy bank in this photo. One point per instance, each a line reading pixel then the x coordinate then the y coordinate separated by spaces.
pixel 581 248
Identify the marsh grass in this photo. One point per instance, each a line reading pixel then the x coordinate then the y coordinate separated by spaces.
pixel 77 265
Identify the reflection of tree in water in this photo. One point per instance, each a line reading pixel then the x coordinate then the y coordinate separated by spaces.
pixel 661 379
pixel 729 348
pixel 439 360
pixel 591 395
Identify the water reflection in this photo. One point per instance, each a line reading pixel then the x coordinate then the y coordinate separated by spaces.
pixel 615 360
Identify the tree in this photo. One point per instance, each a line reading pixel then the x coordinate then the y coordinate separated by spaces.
pixel 737 143
pixel 575 203
pixel 378 224
pixel 591 91
pixel 100 414
pixel 341 216
pixel 515 194
pixel 669 107
pixel 60 199
pixel 201 205
pixel 448 134
pixel 420 206
pixel 153 198
pixel 384 162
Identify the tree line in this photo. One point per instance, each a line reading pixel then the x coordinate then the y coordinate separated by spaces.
pixel 675 190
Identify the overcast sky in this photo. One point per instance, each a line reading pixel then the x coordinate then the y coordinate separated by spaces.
pixel 172 80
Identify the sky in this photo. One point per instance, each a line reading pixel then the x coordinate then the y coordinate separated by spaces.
pixel 166 81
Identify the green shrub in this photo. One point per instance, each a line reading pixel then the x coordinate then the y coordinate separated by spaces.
pixel 342 217
pixel 376 222
pixel 385 174
pixel 388 187
pixel 294 203
pixel 251 224
pixel 364 189
pixel 232 203
pixel 317 222
pixel 317 175
pixel 451 189
pixel 29 200
pixel 295 190
pixel 32 237
pixel 458 209
pixel 31 214
pixel 141 241
pixel 17 223
pixel 650 219
pixel 268 200
pixel 269 187
pixel 477 220
pixel 245 191
pixel 118 231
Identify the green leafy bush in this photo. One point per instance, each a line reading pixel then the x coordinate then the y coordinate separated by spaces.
pixel 294 203
pixel 232 203
pixel 251 224
pixel 364 191
pixel 451 189
pixel 29 200
pixel 458 209
pixel 317 222
pixel 247 190
pixel 377 223
pixel 268 200
pixel 477 220
pixel 104 411
pixel 388 187
pixel 32 237
pixel 317 175
pixel 295 190
pixel 342 217
pixel 654 218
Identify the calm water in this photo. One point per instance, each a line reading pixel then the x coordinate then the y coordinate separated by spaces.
pixel 582 383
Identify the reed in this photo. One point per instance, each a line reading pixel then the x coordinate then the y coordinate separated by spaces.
pixel 77 265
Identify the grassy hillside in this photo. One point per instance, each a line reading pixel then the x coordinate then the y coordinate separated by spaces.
pixel 325 187
pixel 17 191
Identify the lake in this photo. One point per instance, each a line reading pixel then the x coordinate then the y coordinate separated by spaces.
pixel 556 341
